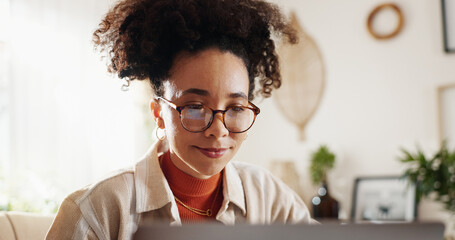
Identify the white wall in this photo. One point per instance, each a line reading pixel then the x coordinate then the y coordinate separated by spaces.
pixel 380 95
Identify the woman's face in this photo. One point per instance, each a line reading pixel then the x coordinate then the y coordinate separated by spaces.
pixel 217 80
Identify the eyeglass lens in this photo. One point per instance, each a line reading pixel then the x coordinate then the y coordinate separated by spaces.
pixel 197 118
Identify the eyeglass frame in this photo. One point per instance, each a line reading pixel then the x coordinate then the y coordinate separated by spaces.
pixel 256 110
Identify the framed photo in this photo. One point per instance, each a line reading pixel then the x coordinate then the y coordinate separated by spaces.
pixel 446 114
pixel 448 23
pixel 384 199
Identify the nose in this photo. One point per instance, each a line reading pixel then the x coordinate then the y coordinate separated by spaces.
pixel 217 128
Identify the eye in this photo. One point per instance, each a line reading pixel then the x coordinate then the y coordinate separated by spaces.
pixel 194 106
pixel 237 109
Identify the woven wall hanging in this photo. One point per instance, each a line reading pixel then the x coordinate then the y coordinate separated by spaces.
pixel 302 71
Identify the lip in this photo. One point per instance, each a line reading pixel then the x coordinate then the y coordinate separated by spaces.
pixel 212 152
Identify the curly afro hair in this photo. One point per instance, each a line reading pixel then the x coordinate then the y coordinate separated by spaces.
pixel 141 38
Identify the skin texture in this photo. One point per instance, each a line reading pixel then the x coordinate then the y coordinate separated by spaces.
pixel 215 79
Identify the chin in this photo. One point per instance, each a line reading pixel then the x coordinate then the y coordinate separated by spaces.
pixel 210 166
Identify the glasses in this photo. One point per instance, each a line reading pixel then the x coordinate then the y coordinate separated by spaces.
pixel 197 117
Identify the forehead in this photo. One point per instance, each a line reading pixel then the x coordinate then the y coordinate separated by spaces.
pixel 219 74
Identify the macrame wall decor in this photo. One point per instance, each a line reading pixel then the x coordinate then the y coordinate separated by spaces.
pixel 302 71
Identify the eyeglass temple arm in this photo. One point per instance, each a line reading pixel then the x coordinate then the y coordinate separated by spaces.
pixel 168 102
pixel 256 108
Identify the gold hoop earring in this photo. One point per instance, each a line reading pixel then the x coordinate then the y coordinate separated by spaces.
pixel 161 136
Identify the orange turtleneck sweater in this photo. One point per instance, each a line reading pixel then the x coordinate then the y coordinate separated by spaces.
pixel 193 192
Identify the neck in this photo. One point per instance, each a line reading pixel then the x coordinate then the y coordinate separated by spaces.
pixel 198 199
pixel 186 167
pixel 181 181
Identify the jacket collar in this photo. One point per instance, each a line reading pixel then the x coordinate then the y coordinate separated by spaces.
pixel 233 187
pixel 153 191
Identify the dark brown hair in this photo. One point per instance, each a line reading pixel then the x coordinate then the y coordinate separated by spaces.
pixel 142 37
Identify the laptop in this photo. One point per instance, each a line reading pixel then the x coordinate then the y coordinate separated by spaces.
pixel 386 231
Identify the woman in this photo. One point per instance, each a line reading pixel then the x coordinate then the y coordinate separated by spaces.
pixel 206 60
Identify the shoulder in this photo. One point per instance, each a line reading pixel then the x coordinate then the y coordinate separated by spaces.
pixel 117 184
pixel 258 181
pixel 97 208
pixel 268 198
pixel 252 173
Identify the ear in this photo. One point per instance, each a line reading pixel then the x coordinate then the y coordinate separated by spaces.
pixel 155 107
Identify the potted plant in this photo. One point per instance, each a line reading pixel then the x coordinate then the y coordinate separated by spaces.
pixel 434 178
pixel 324 205
pixel 322 160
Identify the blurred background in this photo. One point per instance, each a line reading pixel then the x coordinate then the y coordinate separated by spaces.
pixel 64 121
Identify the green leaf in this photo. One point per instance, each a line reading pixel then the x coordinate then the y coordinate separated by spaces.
pixel 432 175
pixel 322 160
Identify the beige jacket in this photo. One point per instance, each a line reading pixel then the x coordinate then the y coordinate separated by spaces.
pixel 115 206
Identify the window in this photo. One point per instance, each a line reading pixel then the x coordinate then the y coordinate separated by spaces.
pixel 64 122
pixel 4 98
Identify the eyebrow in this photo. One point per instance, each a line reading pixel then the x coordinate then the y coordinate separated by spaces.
pixel 203 92
pixel 196 91
pixel 238 95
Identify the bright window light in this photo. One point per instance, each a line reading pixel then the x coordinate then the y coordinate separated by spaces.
pixel 4 20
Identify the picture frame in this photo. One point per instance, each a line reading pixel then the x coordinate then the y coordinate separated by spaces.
pixel 446 114
pixel 384 199
pixel 448 24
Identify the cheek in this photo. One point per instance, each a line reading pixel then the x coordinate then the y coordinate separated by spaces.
pixel 239 138
pixel 171 124
pixel 177 136
pixel 171 119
